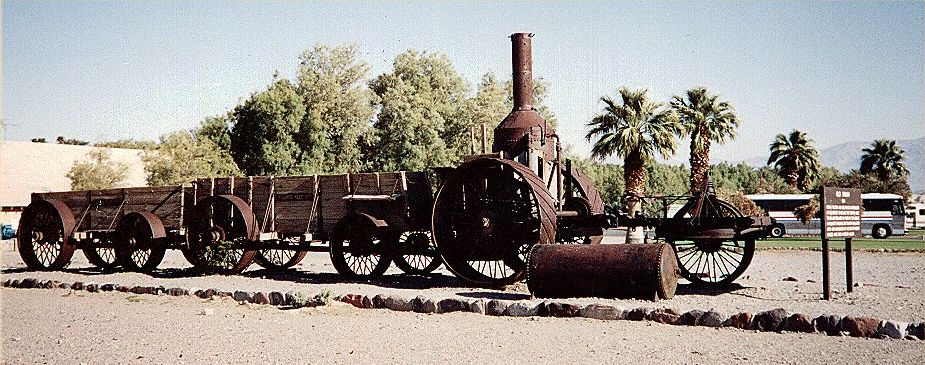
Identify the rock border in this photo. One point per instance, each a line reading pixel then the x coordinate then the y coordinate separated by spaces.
pixel 775 320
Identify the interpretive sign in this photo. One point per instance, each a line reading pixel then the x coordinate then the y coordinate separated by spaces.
pixel 841 212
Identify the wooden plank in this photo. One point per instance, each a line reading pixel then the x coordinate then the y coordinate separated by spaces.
pixel 332 189
pixel 365 183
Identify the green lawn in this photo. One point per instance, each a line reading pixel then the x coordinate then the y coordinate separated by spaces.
pixel 913 241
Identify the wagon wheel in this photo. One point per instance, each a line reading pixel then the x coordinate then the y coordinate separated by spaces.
pixel 712 261
pixel 487 216
pixel 219 234
pixel 104 258
pixel 359 246
pixel 417 253
pixel 279 259
pixel 45 228
pixel 137 248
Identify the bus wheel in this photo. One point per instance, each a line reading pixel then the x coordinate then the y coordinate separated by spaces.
pixel 880 231
pixel 777 231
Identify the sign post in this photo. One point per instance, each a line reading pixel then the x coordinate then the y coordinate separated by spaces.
pixel 841 218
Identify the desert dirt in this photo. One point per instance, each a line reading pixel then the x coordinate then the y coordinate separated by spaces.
pixel 60 326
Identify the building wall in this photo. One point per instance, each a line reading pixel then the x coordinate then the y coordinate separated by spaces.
pixel 27 167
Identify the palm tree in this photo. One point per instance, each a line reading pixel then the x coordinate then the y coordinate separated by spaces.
pixel 885 158
pixel 706 120
pixel 795 158
pixel 634 129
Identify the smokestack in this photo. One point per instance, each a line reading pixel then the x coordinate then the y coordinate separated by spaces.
pixel 522 66
pixel 523 128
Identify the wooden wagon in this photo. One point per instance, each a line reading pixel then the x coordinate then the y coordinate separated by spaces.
pixel 365 221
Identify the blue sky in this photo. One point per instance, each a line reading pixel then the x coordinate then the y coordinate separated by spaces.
pixel 839 71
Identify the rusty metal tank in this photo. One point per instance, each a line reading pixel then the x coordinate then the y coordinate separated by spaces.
pixel 643 271
pixel 523 128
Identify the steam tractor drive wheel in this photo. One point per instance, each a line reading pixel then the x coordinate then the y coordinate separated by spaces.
pixel 710 261
pixel 359 246
pixel 137 235
pixel 45 229
pixel 417 253
pixel 220 235
pixel 487 215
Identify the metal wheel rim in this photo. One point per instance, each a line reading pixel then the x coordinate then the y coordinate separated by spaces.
pixel 712 261
pixel 218 221
pixel 48 224
pixel 420 262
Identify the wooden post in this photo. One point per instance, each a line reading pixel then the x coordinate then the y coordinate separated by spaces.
pixel 849 265
pixel 826 289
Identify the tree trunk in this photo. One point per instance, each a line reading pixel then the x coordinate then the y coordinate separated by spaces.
pixel 792 178
pixel 700 160
pixel 634 178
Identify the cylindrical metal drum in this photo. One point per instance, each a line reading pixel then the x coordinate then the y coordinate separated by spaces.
pixel 643 271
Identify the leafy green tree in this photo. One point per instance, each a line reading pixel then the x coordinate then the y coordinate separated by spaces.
pixel 128 143
pixel 182 157
pixel 420 122
pixel 264 128
pixel 339 107
pixel 871 183
pixel 99 171
pixel 795 159
pixel 884 158
pixel 706 120
pixel 215 129
pixel 488 107
pixel 634 129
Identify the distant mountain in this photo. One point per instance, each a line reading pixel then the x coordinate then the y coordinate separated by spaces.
pixel 847 156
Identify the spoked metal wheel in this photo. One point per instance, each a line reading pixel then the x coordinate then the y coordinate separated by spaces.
pixel 359 246
pixel 417 253
pixel 138 249
pixel 45 228
pixel 220 234
pixel 487 216
pixel 104 258
pixel 569 235
pixel 712 261
pixel 279 259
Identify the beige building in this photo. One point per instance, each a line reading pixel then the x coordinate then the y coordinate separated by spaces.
pixel 27 167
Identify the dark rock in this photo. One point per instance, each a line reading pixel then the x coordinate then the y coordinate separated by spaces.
pixel 64 286
pixel 92 287
pixel 600 311
pixel 519 309
pixel 7 282
pixel 741 320
pixel 160 290
pixel 43 284
pixel 828 324
pixel 799 322
pixel 15 283
pixel 276 298
pixel 177 292
pixel 51 284
pixel 495 307
pixel 860 326
pixel 242 296
pixel 556 309
pixel 664 315
pixel 911 337
pixel 260 298
pixel 690 318
pixel 477 306
pixel 711 319
pixel 123 289
pixel 638 314
pixel 205 293
pixel 916 329
pixel 790 278
pixel 224 294
pixel 398 304
pixel 28 283
pixel 452 305
pixel 77 285
pixel 421 304
pixel 770 321
pixel 108 287
pixel 892 329
pixel 379 301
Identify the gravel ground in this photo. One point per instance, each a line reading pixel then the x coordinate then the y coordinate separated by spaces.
pixel 892 285
pixel 60 326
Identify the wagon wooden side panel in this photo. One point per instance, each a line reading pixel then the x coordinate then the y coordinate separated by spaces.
pixel 296 205
pixel 332 190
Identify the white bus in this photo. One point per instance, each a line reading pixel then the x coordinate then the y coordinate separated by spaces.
pixel 884 214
